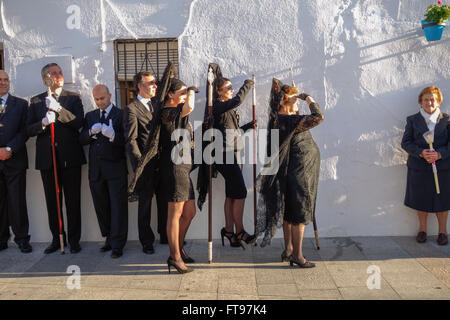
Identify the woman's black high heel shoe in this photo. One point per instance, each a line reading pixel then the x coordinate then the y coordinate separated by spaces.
pixel 249 239
pixel 307 264
pixel 185 257
pixel 285 257
pixel 171 263
pixel 230 236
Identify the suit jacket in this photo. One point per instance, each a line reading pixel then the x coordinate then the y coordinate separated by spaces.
pixel 69 120
pixel 413 142
pixel 13 132
pixel 105 156
pixel 139 126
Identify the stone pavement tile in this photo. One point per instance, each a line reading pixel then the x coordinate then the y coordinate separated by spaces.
pixel 156 282
pixel 320 294
pixel 199 281
pixel 51 293
pixel 97 294
pixel 238 286
pixel 314 278
pixel 136 294
pixel 184 295
pixel 349 273
pixel 363 293
pixel 445 249
pixel 380 248
pixel 105 281
pixel 12 260
pixel 229 271
pixel 273 274
pixel 424 293
pixel 339 249
pixel 440 268
pixel 223 296
pixel 420 250
pixel 285 290
pixel 17 292
pixel 278 298
pixel 407 273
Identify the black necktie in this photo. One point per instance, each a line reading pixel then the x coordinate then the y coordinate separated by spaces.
pixel 150 106
pixel 103 118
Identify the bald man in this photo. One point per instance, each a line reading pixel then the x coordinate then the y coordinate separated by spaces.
pixel 103 132
pixel 13 166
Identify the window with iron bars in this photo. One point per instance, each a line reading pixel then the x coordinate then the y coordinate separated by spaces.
pixel 133 56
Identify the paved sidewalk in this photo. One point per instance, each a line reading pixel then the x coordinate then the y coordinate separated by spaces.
pixel 408 270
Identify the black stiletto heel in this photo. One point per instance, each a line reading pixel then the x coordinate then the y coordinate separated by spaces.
pixel 249 239
pixel 307 264
pixel 171 263
pixel 230 236
pixel 285 257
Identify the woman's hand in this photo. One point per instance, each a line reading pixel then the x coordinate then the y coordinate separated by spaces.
pixel 430 155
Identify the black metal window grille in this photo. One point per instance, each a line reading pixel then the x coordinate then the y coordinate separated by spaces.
pixel 133 56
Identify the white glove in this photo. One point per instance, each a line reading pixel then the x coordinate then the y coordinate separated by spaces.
pixel 108 131
pixel 52 104
pixel 96 128
pixel 50 117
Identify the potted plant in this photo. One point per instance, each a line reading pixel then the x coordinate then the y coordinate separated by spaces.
pixel 434 23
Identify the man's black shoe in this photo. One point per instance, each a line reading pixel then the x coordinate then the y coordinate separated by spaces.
pixel 148 249
pixel 3 246
pixel 116 253
pixel 25 247
pixel 51 248
pixel 106 247
pixel 75 249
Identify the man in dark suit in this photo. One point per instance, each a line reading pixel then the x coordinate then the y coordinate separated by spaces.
pixel 13 166
pixel 103 131
pixel 141 118
pixel 65 110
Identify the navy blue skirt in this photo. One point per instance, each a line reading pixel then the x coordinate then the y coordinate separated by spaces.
pixel 421 191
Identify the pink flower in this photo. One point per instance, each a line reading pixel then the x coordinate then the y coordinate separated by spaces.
pixel 439 2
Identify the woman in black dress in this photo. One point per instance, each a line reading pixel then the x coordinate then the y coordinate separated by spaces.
pixel 175 166
pixel 421 193
pixel 288 196
pixel 226 119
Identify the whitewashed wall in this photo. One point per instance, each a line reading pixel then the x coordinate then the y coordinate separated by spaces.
pixel 364 61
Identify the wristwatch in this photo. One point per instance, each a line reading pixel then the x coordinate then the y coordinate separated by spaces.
pixel 8 149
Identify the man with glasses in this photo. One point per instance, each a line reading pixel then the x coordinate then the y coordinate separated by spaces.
pixel 65 110
pixel 141 127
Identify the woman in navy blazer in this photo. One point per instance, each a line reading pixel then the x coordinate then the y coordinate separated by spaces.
pixel 421 192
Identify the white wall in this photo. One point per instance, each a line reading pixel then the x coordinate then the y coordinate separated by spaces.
pixel 363 61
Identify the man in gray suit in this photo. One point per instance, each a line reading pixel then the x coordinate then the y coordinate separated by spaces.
pixel 13 166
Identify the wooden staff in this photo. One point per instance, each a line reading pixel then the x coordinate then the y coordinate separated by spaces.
pixel 48 83
pixel 254 154
pixel 429 138
pixel 210 103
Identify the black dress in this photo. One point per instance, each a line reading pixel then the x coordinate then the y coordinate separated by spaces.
pixel 420 187
pixel 227 118
pixel 289 194
pixel 176 181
